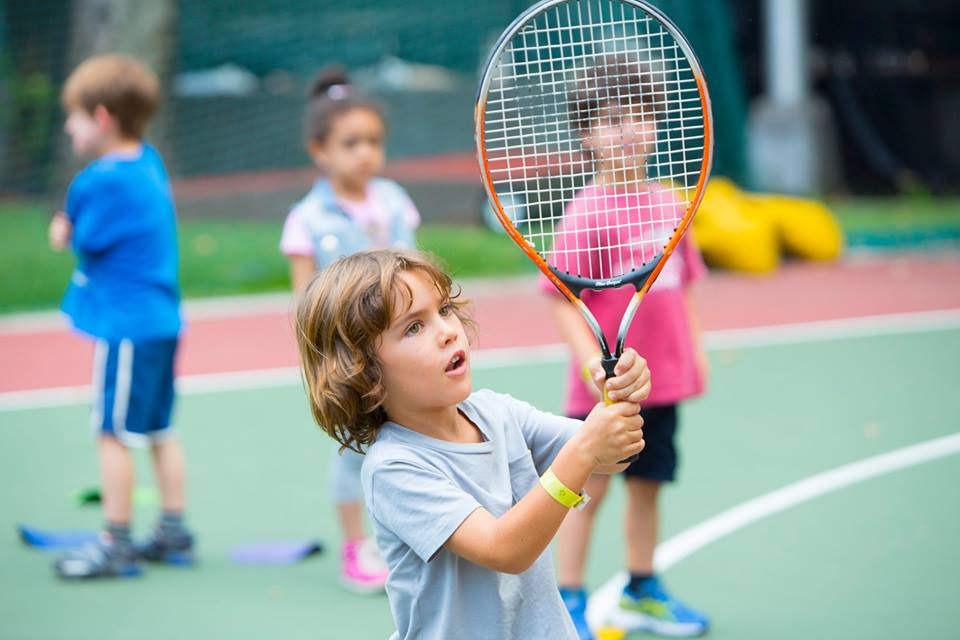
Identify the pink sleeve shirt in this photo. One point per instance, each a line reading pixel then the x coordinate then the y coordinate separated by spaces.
pixel 660 331
pixel 296 239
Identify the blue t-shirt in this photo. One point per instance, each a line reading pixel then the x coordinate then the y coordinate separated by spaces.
pixel 419 490
pixel 125 239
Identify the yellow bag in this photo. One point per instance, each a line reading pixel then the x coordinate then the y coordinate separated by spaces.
pixel 728 237
pixel 805 228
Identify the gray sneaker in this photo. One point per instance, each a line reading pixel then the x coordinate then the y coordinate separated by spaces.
pixel 101 559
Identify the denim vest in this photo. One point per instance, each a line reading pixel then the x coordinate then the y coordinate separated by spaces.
pixel 335 234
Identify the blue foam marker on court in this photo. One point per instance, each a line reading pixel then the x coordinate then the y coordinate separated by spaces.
pixel 55 539
pixel 275 552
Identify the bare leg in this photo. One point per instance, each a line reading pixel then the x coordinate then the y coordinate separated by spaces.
pixel 641 523
pixel 573 538
pixel 351 519
pixel 168 465
pixel 117 475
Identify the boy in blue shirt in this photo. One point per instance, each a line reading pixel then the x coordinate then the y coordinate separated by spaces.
pixel 119 221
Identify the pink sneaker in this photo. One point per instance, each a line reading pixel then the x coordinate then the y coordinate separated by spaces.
pixel 363 570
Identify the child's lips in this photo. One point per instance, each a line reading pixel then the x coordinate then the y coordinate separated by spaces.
pixel 457 365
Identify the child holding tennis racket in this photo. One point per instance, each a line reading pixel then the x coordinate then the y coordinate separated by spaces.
pixel 119 221
pixel 348 209
pixel 614 102
pixel 465 489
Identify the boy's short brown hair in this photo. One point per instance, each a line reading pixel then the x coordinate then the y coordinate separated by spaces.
pixel 122 85
pixel 340 316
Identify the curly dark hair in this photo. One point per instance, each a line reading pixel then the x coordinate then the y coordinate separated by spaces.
pixel 613 79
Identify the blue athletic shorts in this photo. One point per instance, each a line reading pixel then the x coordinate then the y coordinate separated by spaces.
pixel 133 390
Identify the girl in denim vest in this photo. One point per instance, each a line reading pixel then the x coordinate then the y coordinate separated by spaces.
pixel 348 209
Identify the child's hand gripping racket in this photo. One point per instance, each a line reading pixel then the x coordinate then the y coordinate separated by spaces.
pixel 594 136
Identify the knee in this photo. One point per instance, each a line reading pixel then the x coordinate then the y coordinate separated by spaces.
pixel 643 490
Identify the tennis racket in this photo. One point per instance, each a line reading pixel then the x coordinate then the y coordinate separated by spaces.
pixel 594 138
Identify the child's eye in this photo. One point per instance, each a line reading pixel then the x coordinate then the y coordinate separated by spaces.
pixel 446 309
pixel 413 329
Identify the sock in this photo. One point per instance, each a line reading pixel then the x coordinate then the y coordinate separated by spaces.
pixel 637 580
pixel 119 534
pixel 171 522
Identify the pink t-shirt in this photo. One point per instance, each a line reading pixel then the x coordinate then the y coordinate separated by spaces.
pixel 660 330
pixel 371 215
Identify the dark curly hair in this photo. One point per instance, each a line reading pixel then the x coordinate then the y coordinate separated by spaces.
pixel 613 79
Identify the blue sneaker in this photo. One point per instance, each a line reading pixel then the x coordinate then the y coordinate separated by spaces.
pixel 652 609
pixel 575 600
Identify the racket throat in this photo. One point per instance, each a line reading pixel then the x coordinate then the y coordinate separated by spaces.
pixel 609 362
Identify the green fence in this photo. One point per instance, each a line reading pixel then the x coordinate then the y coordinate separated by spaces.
pixel 237 73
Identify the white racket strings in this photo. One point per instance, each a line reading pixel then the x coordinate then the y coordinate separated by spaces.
pixel 596 98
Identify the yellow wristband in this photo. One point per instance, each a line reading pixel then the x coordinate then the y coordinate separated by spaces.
pixel 561 492
pixel 586 374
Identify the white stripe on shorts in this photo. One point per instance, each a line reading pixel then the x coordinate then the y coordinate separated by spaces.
pixel 100 351
pixel 121 392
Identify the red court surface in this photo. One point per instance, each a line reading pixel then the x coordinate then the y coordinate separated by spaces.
pixel 37 353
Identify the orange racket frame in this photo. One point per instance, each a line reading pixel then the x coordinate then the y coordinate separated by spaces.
pixel 571 286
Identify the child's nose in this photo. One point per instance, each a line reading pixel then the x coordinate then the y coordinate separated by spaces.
pixel 448 333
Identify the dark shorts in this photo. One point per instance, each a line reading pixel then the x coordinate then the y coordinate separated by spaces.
pixel 658 460
pixel 133 390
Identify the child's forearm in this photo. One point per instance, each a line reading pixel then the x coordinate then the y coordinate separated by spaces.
pixel 514 541
pixel 696 334
pixel 693 318
pixel 574 330
pixel 302 269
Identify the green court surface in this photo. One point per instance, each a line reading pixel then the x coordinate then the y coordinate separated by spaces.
pixel 877 559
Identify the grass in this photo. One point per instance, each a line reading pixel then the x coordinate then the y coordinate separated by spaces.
pixel 898 222
pixel 223 257
pixel 218 256
pixel 897 213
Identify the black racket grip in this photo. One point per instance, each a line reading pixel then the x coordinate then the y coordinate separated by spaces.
pixel 608 366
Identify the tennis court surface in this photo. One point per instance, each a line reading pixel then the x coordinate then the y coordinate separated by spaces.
pixel 817 494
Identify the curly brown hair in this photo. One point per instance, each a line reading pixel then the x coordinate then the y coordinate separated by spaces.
pixel 340 315
pixel 613 79
pixel 123 86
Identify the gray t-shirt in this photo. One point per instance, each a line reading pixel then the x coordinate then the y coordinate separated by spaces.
pixel 419 490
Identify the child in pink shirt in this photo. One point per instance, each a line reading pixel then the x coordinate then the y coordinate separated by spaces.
pixel 611 102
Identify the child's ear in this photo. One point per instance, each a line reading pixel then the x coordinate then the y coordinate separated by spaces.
pixel 318 153
pixel 103 118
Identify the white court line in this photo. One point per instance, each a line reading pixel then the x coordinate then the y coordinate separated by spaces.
pixel 786 334
pixel 200 308
pixel 227 307
pixel 838 329
pixel 688 542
